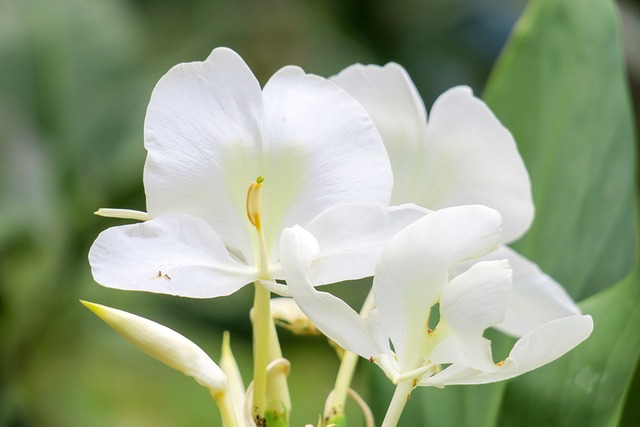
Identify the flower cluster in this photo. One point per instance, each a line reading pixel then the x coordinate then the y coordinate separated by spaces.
pixel 310 181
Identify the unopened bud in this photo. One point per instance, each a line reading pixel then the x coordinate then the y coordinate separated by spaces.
pixel 286 314
pixel 165 345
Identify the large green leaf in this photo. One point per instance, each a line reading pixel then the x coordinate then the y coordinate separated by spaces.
pixel 585 387
pixel 560 87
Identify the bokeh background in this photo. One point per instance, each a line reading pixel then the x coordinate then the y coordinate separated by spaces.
pixel 75 78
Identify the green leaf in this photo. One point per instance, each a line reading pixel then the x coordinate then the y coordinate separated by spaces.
pixel 560 88
pixel 631 412
pixel 586 386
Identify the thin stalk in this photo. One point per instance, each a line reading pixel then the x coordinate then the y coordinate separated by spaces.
pixel 261 306
pixel 343 381
pixel 400 398
pixel 261 320
pixel 347 368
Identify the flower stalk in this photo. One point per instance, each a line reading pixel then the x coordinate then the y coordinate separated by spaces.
pixel 261 350
pixel 334 412
pixel 398 401
pixel 263 327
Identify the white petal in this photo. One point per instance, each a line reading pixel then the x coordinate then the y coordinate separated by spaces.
pixel 392 101
pixel 320 149
pixel 415 264
pixel 469 304
pixel 203 136
pixel 535 297
pixel 175 254
pixel 463 156
pixel 330 314
pixel 351 237
pixel 471 158
pixel 165 345
pixel 395 106
pixel 543 345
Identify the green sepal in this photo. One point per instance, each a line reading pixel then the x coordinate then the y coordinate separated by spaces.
pixel 338 420
pixel 275 419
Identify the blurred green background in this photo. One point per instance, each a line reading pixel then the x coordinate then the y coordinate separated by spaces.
pixel 75 79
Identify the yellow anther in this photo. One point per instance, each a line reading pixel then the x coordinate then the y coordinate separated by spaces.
pixel 254 202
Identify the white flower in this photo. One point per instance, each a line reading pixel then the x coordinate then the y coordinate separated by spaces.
pixel 461 155
pixel 414 273
pixel 210 132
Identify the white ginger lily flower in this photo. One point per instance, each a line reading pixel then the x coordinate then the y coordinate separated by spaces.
pixel 210 131
pixel 461 155
pixel 414 274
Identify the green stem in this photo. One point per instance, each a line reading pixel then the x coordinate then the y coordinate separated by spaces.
pixel 227 411
pixel 346 371
pixel 261 320
pixel 398 402
pixel 343 381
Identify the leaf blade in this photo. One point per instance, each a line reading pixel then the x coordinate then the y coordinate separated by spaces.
pixel 560 88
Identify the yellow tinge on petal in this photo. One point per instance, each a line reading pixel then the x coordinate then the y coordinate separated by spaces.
pixel 165 345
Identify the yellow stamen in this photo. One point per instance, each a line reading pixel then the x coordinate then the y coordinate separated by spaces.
pixel 254 202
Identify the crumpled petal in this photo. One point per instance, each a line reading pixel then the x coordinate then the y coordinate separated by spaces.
pixel 351 237
pixel 332 316
pixel 414 267
pixel 175 254
pixel 462 155
pixel 535 297
pixel 165 345
pixel 541 346
pixel 469 304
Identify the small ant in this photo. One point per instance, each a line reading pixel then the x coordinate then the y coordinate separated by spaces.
pixel 165 275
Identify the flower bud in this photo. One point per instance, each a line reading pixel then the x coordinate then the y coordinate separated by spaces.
pixel 165 345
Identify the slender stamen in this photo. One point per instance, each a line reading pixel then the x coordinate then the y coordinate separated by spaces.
pixel 254 202
pixel 261 308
